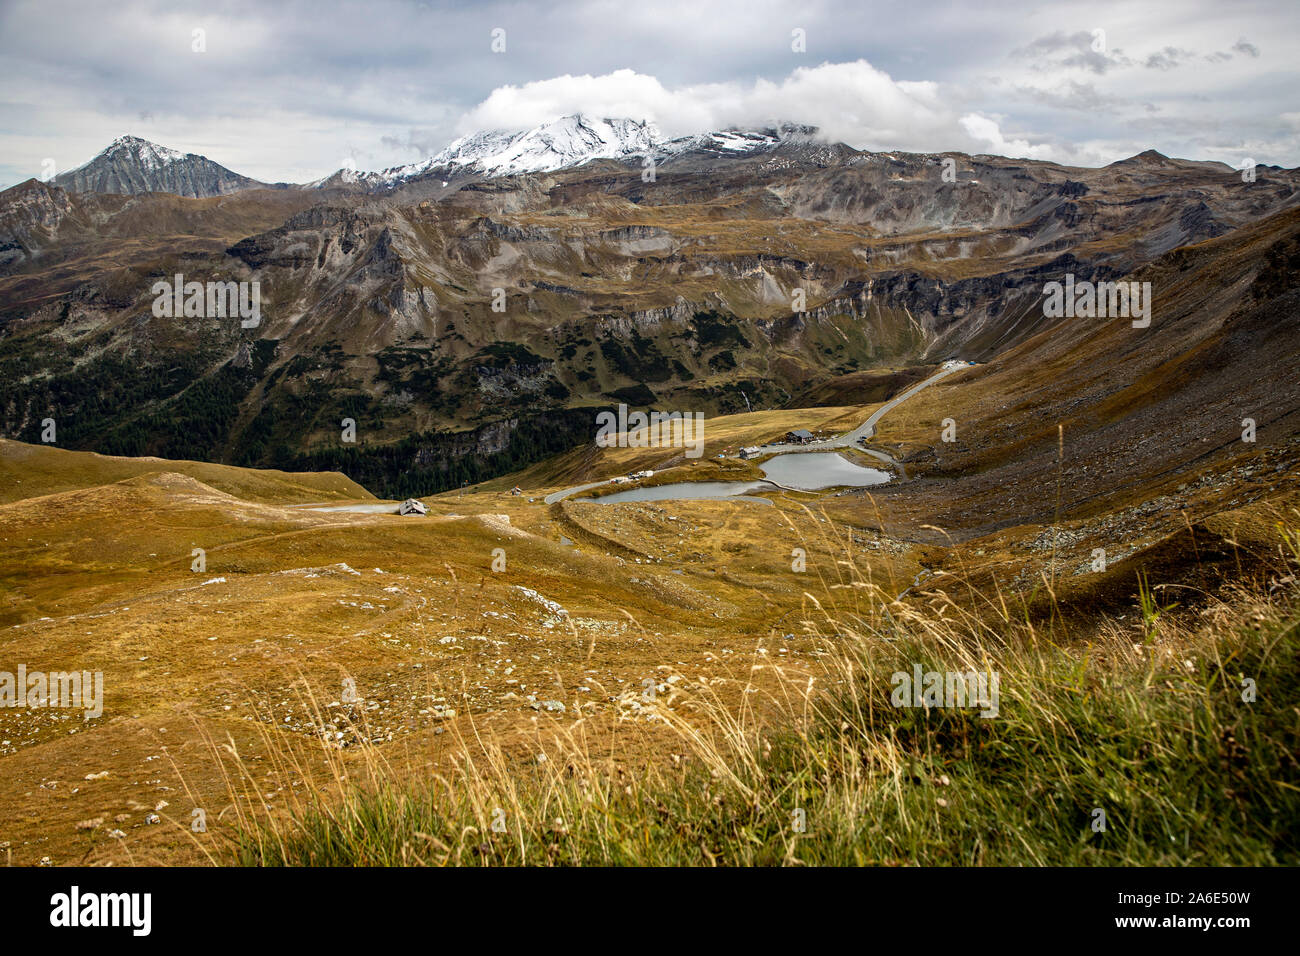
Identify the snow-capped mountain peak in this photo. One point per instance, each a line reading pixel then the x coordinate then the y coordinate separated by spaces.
pixel 560 144
pixel 132 165
pixel 565 143
pixel 148 155
pixel 568 142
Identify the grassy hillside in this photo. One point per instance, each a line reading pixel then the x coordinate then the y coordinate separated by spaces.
pixel 28 471
pixel 1169 741
pixel 500 628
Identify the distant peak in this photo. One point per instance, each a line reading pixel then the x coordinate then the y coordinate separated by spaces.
pixel 131 165
pixel 1145 158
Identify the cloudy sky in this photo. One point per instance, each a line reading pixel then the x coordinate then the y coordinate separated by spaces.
pixel 291 91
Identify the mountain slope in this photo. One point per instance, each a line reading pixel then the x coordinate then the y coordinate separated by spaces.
pixel 132 166
pixel 52 240
pixel 1145 412
pixel 31 471
pixel 470 325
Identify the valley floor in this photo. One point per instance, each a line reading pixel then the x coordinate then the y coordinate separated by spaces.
pixel 262 659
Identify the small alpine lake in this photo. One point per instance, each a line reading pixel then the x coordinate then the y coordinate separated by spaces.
pixel 813 471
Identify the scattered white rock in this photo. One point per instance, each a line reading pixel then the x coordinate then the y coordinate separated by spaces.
pixel 547 603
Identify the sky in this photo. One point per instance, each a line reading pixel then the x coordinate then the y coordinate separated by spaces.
pixel 291 91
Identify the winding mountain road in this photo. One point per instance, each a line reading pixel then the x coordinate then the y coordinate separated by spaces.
pixel 847 440
pixel 867 428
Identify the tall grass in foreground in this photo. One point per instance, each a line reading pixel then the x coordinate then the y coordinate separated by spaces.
pixel 1143 719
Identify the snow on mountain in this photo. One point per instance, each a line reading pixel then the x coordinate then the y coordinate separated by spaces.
pixel 743 140
pixel 148 155
pixel 565 143
pixel 133 165
pixel 560 144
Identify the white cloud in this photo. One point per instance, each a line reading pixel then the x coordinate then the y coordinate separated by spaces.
pixel 620 93
pixel 987 131
pixel 850 102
